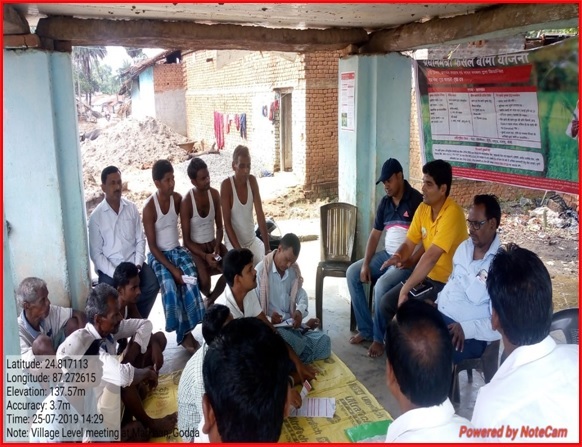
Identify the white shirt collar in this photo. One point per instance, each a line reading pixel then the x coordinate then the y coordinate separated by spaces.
pixel 231 301
pixel 523 355
pixel 420 419
pixel 107 207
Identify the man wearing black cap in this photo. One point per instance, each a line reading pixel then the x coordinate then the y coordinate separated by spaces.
pixel 394 215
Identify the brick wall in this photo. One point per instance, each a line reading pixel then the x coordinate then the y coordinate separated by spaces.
pixel 168 77
pixel 463 190
pixel 234 82
pixel 321 112
pixel 169 96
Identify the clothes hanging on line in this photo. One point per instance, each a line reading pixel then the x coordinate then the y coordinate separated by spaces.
pixel 243 125
pixel 219 129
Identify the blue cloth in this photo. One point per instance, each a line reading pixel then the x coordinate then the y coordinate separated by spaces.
pixel 472 349
pixel 384 281
pixel 183 305
pixel 243 125
pixel 309 347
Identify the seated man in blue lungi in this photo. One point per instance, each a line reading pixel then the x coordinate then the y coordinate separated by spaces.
pixel 172 264
pixel 279 287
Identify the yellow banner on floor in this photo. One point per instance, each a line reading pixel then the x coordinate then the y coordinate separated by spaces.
pixel 163 401
pixel 354 405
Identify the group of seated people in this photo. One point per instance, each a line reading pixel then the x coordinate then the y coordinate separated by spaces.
pixel 118 306
pixel 240 384
pixel 441 294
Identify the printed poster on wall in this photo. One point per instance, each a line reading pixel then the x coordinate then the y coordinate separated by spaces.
pixel 509 118
pixel 348 100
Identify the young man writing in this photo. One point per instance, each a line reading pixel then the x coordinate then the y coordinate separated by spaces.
pixel 280 291
pixel 241 298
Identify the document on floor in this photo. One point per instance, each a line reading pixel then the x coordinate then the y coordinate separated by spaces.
pixel 315 407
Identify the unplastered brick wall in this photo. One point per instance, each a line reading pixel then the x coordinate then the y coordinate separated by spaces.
pixel 168 77
pixel 463 190
pixel 321 112
pixel 236 82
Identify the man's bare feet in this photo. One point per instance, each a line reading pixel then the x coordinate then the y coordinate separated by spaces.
pixel 163 426
pixel 376 350
pixel 357 339
pixel 312 323
pixel 189 343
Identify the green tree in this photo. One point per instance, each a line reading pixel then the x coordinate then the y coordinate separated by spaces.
pixel 85 60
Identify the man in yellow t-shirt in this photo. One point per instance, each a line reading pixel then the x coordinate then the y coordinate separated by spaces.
pixel 439 223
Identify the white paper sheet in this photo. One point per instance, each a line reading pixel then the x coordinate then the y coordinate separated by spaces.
pixel 315 407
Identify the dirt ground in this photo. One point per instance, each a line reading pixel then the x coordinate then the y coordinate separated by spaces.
pixel 134 146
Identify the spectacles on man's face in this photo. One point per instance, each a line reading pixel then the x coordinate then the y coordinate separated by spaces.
pixel 476 224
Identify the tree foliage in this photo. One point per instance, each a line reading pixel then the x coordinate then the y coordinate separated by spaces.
pixel 86 62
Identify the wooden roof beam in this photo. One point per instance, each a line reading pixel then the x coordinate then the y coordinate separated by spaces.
pixel 499 21
pixel 188 35
pixel 14 22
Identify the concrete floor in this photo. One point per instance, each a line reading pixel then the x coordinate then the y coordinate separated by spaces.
pixel 336 319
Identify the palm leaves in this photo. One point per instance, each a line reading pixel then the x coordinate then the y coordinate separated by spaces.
pixel 85 60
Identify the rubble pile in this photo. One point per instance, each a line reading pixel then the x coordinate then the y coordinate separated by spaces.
pixel 131 144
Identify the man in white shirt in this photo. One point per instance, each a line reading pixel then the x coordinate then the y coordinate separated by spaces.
pixel 69 413
pixel 419 361
pixel 241 298
pixel 116 236
pixel 42 326
pixel 282 297
pixel 120 374
pixel 464 302
pixel 534 395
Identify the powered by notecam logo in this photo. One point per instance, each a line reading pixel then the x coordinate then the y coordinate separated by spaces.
pixel 507 432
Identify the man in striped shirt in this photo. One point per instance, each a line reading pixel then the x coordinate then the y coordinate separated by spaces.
pixel 394 215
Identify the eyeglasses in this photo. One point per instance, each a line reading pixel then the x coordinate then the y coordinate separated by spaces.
pixel 475 224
